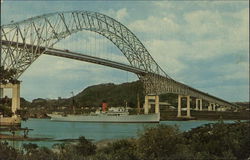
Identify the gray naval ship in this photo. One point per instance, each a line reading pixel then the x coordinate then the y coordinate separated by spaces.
pixel 119 115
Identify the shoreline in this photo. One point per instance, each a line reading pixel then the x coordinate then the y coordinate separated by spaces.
pixel 206 115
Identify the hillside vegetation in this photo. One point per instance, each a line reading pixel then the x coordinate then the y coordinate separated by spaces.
pixel 114 94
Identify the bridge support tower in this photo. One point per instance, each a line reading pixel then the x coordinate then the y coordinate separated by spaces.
pixel 146 104
pixel 179 106
pixel 214 107
pixel 1 92
pixel 211 107
pixel 15 105
pixel 198 104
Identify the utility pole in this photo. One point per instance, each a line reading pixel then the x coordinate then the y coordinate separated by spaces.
pixel 73 102
pixel 138 103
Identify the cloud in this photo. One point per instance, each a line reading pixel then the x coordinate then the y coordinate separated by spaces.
pixel 166 54
pixel 155 25
pixel 164 5
pixel 119 15
pixel 234 72
pixel 218 33
pixel 216 24
pixel 92 44
pixel 204 22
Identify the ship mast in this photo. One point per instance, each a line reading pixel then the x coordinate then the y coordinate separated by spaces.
pixel 73 102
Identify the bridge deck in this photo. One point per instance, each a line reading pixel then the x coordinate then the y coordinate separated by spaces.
pixel 92 59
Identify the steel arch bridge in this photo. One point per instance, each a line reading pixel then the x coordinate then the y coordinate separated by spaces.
pixel 23 42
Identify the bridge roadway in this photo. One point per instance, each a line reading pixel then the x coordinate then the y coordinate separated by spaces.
pixel 92 59
pixel 105 62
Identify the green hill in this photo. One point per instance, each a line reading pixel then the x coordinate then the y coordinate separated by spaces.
pixel 113 94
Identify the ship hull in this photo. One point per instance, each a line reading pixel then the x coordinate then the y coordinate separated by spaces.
pixel 143 118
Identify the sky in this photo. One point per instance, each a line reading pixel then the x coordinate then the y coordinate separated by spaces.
pixel 203 44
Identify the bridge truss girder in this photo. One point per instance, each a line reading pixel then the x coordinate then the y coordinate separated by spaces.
pixel 157 84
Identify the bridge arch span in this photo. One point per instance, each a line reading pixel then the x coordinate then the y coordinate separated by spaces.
pixel 48 29
pixel 23 42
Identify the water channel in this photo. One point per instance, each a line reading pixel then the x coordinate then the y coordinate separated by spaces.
pixel 57 131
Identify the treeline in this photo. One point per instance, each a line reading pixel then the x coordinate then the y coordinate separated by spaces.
pixel 210 141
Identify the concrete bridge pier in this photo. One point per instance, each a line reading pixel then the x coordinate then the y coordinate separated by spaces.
pixel 198 104
pixel 1 92
pixel 15 105
pixel 15 97
pixel 214 107
pixel 147 105
pixel 211 107
pixel 179 106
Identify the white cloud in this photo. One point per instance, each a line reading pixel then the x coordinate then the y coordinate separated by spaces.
pixel 164 4
pixel 155 25
pixel 224 36
pixel 92 44
pixel 234 72
pixel 229 27
pixel 166 54
pixel 119 15
pixel 204 22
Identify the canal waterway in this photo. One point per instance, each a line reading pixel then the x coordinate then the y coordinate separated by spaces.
pixel 56 131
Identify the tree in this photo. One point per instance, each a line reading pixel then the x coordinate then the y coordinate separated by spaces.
pixel 159 142
pixel 8 152
pixel 218 140
pixel 85 147
pixel 30 147
pixel 119 150
pixel 7 75
pixel 5 110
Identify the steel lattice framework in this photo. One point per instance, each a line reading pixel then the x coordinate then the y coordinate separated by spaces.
pixel 46 30
pixel 23 42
